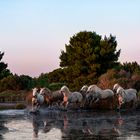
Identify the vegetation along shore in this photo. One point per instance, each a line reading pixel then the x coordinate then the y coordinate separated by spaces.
pixel 88 59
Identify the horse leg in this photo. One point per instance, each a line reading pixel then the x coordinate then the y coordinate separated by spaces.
pixel 38 107
pixel 96 100
pixel 49 105
pixel 65 101
pixel 34 104
pixel 119 106
pixel 77 104
pixel 64 104
pixel 134 105
pixel 82 104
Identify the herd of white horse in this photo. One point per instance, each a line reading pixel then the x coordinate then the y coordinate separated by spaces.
pixel 87 96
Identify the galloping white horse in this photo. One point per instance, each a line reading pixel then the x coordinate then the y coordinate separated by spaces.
pixel 51 97
pixel 125 96
pixel 83 90
pixel 37 99
pixel 94 93
pixel 71 97
pixel 115 87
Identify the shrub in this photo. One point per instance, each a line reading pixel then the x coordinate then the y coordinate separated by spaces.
pixel 56 86
pixel 20 106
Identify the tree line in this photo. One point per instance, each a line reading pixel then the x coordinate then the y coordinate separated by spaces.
pixel 88 59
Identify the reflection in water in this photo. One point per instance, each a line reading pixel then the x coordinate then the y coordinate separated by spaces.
pixel 87 125
pixel 86 128
pixel 3 129
pixel 48 124
pixel 71 125
pixel 37 123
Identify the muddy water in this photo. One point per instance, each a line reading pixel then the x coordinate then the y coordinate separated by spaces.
pixel 69 125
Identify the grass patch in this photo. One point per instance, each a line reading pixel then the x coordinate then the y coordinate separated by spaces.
pixel 12 106
pixel 3 107
pixel 20 106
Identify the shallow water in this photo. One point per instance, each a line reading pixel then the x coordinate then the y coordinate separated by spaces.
pixel 69 125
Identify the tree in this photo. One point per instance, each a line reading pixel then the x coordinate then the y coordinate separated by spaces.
pixel 56 75
pixel 88 54
pixel 26 82
pixel 133 67
pixel 4 72
pixel 41 81
pixel 11 82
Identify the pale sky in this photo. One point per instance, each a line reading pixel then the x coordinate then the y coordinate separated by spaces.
pixel 33 32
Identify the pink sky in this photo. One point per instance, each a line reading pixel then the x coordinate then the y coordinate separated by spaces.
pixel 33 33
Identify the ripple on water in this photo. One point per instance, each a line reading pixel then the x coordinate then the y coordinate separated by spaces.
pixel 12 112
pixel 22 129
pixel 69 125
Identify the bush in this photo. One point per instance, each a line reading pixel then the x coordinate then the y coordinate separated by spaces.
pixel 20 106
pixel 4 107
pixel 56 86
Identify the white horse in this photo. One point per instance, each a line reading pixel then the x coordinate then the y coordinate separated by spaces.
pixel 71 97
pixel 115 87
pixel 94 93
pixel 37 99
pixel 83 90
pixel 51 98
pixel 126 96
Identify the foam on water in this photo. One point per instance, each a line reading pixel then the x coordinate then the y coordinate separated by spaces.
pixel 12 112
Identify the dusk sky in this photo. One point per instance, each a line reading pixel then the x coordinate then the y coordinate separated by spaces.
pixel 33 32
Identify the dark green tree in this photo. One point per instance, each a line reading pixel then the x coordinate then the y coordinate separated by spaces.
pixel 4 72
pixel 15 82
pixel 26 82
pixel 11 82
pixel 132 67
pixel 41 81
pixel 88 54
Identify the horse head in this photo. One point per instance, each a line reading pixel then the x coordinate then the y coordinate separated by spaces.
pixel 35 91
pixel 115 87
pixel 65 90
pixel 45 91
pixel 120 91
pixel 91 89
pixel 120 96
pixel 84 89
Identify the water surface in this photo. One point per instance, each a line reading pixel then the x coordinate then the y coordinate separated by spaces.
pixel 69 125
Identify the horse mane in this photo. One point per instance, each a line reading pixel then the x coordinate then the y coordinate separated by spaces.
pixel 46 91
pixel 65 89
pixel 116 86
pixel 120 89
pixel 84 87
pixel 96 88
pixel 35 91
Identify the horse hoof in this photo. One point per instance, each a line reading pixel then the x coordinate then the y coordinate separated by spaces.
pixel 118 109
